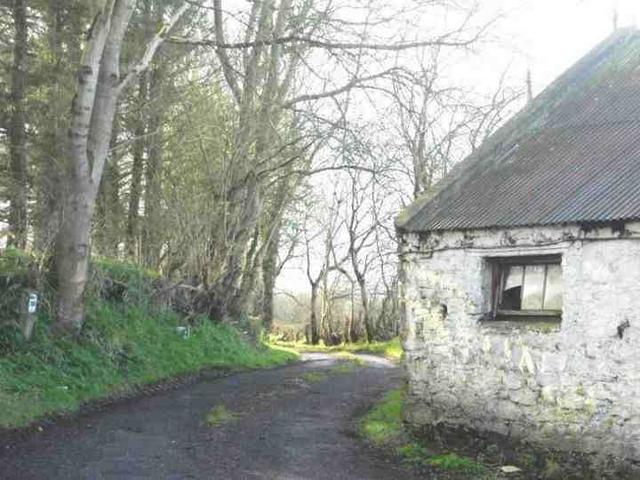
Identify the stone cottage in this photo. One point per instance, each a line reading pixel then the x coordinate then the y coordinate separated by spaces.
pixel 521 273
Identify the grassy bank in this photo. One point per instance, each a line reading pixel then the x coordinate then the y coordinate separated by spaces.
pixel 126 342
pixel 382 426
pixel 390 349
pixel 120 348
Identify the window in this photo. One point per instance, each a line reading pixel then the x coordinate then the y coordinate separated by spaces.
pixel 526 287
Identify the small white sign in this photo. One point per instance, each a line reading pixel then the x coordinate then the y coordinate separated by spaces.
pixel 33 303
pixel 184 332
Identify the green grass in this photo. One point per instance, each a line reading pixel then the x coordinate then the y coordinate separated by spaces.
pixel 453 462
pixel 314 377
pixel 343 368
pixel 220 415
pixel 352 358
pixel 390 349
pixel 120 348
pixel 382 426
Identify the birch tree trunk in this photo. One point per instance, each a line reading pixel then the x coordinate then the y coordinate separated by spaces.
pixel 94 107
pixel 92 113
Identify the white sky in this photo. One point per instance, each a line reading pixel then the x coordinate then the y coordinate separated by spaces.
pixel 553 34
pixel 546 36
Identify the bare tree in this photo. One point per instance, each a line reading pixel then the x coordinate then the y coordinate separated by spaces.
pixel 269 55
pixel 439 124
pixel 361 226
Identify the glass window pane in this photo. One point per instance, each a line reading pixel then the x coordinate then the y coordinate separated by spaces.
pixel 512 292
pixel 553 293
pixel 533 285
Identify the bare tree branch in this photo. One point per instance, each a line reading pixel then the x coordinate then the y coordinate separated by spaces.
pixel 442 41
pixel 354 83
pixel 152 48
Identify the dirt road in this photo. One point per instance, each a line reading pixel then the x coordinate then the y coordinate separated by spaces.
pixel 295 422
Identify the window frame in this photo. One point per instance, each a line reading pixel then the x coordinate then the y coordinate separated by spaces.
pixel 499 267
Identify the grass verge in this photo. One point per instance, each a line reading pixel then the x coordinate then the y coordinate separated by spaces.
pixel 382 426
pixel 390 349
pixel 120 348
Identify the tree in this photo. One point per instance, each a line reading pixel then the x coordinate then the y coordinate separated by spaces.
pixel 17 129
pixel 98 89
pixel 439 123
pixel 195 159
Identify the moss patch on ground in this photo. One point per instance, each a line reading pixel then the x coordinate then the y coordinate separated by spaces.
pixel 343 368
pixel 220 415
pixel 314 377
pixel 382 426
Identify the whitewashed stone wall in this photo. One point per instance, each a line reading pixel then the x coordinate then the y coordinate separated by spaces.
pixel 570 386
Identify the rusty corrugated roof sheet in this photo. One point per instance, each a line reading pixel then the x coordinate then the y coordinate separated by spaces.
pixel 571 156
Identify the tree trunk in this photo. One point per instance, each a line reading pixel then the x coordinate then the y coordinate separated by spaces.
pixel 152 245
pixel 109 213
pixel 244 212
pixel 64 20
pixel 364 299
pixel 94 108
pixel 17 131
pixel 241 303
pixel 72 259
pixel 269 275
pixel 257 119
pixel 137 167
pixel 315 334
pixel 93 111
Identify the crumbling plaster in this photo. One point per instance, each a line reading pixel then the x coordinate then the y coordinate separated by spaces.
pixel 571 386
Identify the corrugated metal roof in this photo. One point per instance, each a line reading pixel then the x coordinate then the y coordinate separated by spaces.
pixel 572 155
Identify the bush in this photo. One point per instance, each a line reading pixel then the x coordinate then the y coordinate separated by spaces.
pixel 121 282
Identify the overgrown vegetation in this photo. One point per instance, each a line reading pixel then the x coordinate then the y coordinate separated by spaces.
pixel 127 341
pixel 383 427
